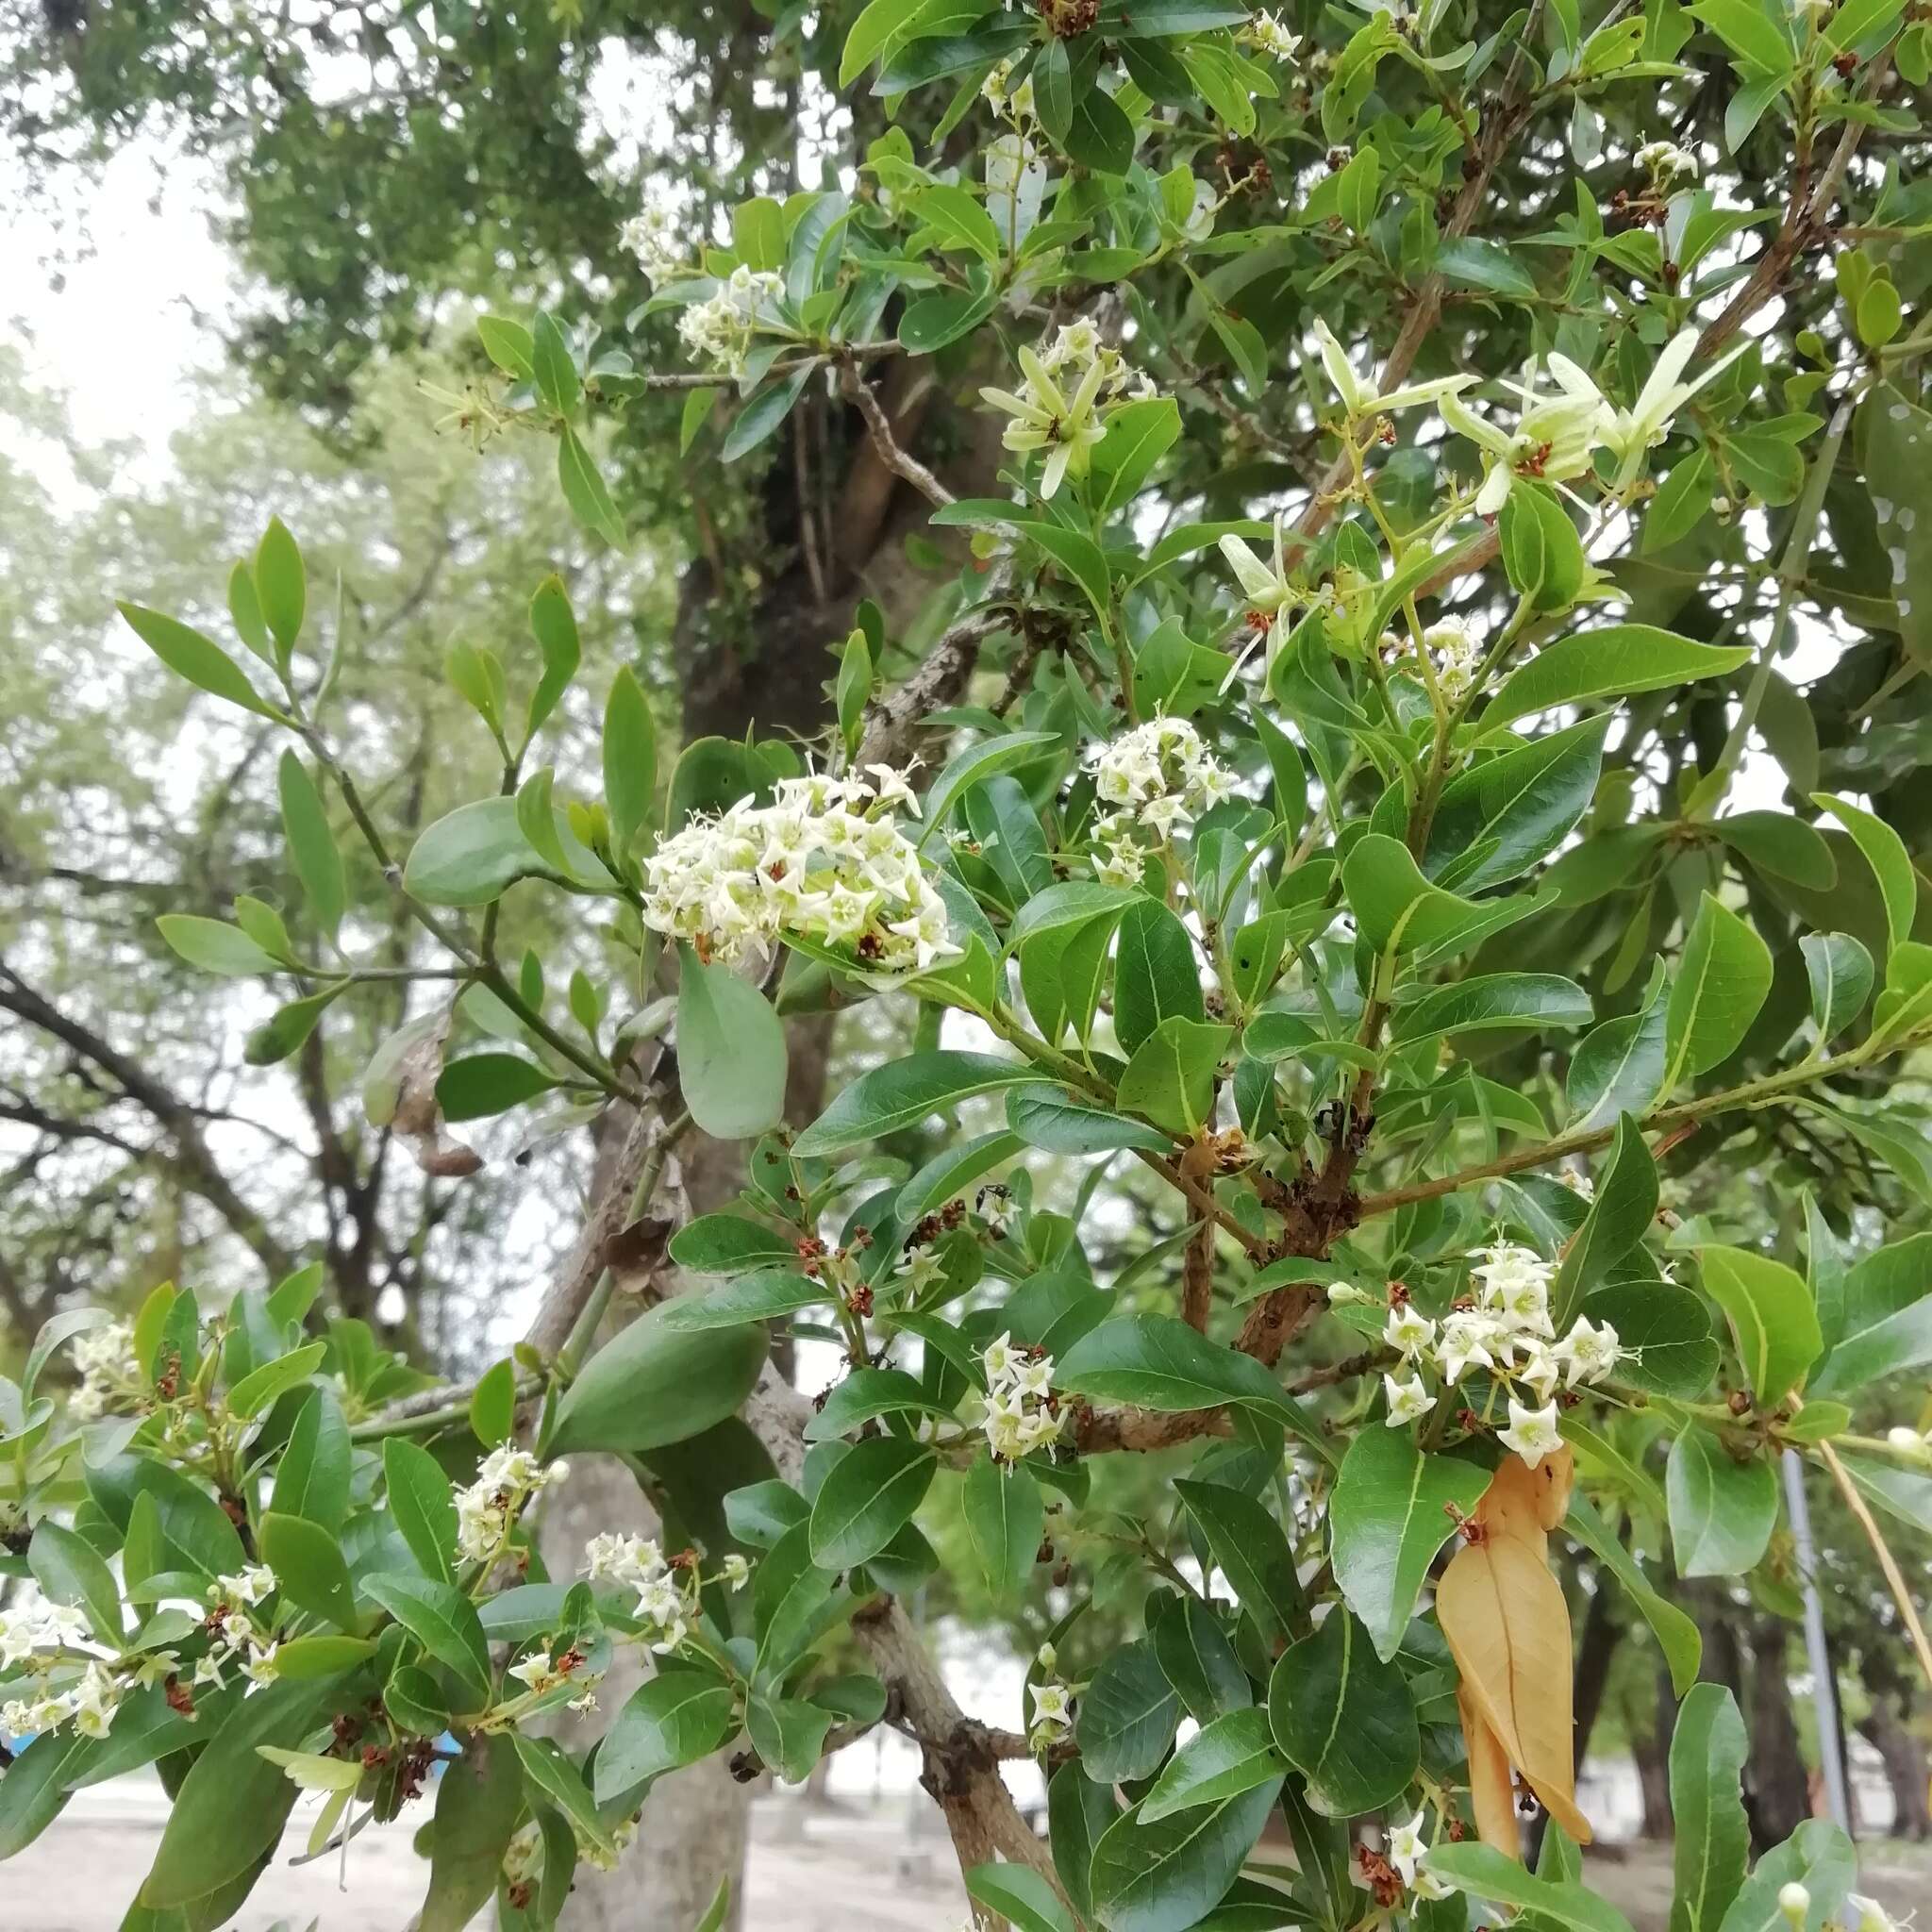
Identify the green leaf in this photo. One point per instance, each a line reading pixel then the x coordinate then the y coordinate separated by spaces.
pixel 1887 1345
pixel 443 1620
pixel 478 1801
pixel 281 585
pixel 1626 1203
pixel 215 946
pixel 318 864
pixel 1721 1510
pixel 1676 1634
pixel 1197 1657
pixel 1250 1550
pixel 1491 1001
pixel 176 1530
pixel 1817 1855
pixel 1005 1518
pixel 547 1770
pixel 1520 806
pixel 1884 853
pixel 1774 1321
pixel 1665 1332
pixel 1486 1873
pixel 732 1053
pixel 763 412
pixel 886 26
pixel 1050 1121
pixel 1079 1812
pixel 787 1732
pixel 1158 1362
pixel 310 1570
pixel 70 1571
pixel 960 221
pixel 1169 1875
pixel 1542 551
pixel 1616 661
pixel 1127 1716
pixel 259 1387
pixel 974 766
pixel 420 1500
pixel 1138 436
pixel 1713 1840
pixel 673 1720
pixel 1171 1077
pixel 554 626
pixel 904 1091
pixel 509 344
pixel 731 1245
pixel 231 1807
pixel 482 1084
pixel 1394 1507
pixel 1473 262
pixel 494 1404
pixel 585 490
pixel 199 659
pixel 1395 906
pixel 1721 981
pixel 553 369
pixel 760 1297
pixel 473 854
pixel 1021 1896
pixel 1224 1759
pixel 1155 974
pixel 867 1499
pixel 1618 1067
pixel 649 1385
pixel 1344 1717
pixel 1747 30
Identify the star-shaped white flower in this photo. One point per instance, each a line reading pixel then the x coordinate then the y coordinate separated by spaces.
pixel 1361 399
pixel 1408 1331
pixel 1532 1432
pixel 1408 1401
pixel 1406 1846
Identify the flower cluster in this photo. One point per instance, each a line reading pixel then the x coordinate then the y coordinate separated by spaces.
pixel 109 1373
pixel 1022 1411
pixel 651 235
pixel 1061 407
pixel 236 1638
pixel 666 1589
pixel 89 1703
pixel 1157 778
pixel 1665 161
pixel 1557 434
pixel 1457 655
pixel 1053 1703
pixel 1265 33
pixel 507 1480
pixel 826 861
pixel 1508 1331
pixel 720 329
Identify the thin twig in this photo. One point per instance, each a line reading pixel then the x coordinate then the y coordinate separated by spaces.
pixel 855 388
pixel 1882 1550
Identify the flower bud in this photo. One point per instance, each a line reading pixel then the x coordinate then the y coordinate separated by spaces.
pixel 1794 1901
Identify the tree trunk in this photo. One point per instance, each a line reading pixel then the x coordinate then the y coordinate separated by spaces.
pixel 1603 1630
pixel 1651 1747
pixel 1905 1770
pixel 1777 1794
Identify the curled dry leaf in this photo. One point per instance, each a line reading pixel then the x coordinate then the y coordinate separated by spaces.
pixel 399 1092
pixel 1502 1614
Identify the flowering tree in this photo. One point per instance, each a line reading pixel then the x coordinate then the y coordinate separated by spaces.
pixel 1346 869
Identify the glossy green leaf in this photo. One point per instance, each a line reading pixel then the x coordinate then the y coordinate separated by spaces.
pixel 1721 1510
pixel 310 1570
pixel 421 1501
pixel 1774 1321
pixel 869 1496
pixel 1721 981
pixel 1005 1518
pixel 732 1053
pixel 1169 1875
pixel 1713 1840
pixel 1127 1716
pixel 478 1801
pixel 1486 1873
pixel 1616 660
pixel 673 1720
pixel 1345 1719
pixel 651 1384
pixel 1884 853
pixel 443 1620
pixel 1224 1759
pixel 904 1091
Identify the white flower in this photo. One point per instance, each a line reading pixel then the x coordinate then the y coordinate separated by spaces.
pixel 736 1570
pixel 673 1633
pixel 919 1269
pixel 999 93
pixel 1871 1916
pixel 1553 438
pixel 506 1480
pixel 244 1591
pixel 1578 1183
pixel 1408 1331
pixel 1588 1352
pixel 1532 1432
pixel 208 1670
pixel 1157 778
pixel 1061 407
pixel 998 1210
pixel 537 1671
pixel 1408 1401
pixel 1000 1360
pixel 1406 1846
pixel 1539 1369
pixel 659 1600
pixel 1266 35
pixel 157 1667
pixel 651 235
pixel 1053 1703
pixel 110 1371
pixel 1467 1337
pixel 1345 1294
pixel 720 329
pixel 629 1560
pixel 1048 1658
pixel 1361 399
pixel 261 1667
pixel 1631 434
pixel 93 1702
pixel 1033 1379
pixel 1509 1270
pixel 584 1706
pixel 1664 160
pixel 1426 1885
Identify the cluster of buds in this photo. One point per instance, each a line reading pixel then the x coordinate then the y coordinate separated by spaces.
pixel 1053 1703
pixel 720 329
pixel 651 235
pixel 1157 779
pixel 1507 1330
pixel 826 861
pixel 235 1638
pixel 1859 1913
pixel 488 1510
pixel 1061 407
pixel 1022 1411
pixel 1265 34
pixel 110 1376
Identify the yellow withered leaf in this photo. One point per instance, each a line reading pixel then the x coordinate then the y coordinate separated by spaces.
pixel 1493 1794
pixel 1508 1627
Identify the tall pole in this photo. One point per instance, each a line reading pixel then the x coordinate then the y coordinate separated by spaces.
pixel 1824 1690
